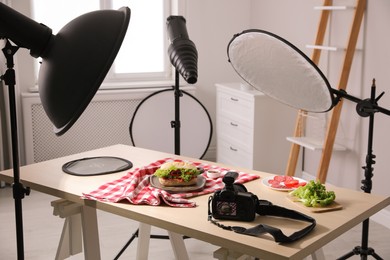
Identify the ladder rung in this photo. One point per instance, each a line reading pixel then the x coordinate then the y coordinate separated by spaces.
pixel 322 47
pixel 329 48
pixel 313 144
pixel 333 7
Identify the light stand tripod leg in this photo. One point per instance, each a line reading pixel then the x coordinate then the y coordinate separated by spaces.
pixel 364 251
pixel 135 234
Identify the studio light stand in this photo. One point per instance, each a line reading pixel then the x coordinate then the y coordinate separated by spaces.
pixel 184 57
pixel 366 108
pixel 19 191
pixel 65 87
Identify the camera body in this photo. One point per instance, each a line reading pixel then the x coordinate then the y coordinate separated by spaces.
pixel 233 202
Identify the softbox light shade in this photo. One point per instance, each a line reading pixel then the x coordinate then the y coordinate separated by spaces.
pixel 277 68
pixel 76 63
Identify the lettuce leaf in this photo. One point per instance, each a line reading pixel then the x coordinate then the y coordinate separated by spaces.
pixel 314 194
pixel 185 174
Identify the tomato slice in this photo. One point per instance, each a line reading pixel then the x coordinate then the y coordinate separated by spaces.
pixel 270 181
pixel 303 183
pixel 284 181
pixel 291 183
pixel 280 178
pixel 277 185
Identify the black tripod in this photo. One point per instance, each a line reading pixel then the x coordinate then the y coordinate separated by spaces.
pixel 366 108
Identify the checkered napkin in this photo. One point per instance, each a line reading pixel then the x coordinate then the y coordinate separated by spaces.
pixel 135 187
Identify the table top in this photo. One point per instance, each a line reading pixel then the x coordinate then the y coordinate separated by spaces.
pixel 48 177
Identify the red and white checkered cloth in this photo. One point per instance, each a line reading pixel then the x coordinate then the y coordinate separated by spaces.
pixel 135 187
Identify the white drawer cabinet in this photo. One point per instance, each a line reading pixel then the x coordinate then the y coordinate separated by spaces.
pixel 252 129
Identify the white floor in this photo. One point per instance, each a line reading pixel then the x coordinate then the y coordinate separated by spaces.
pixel 42 232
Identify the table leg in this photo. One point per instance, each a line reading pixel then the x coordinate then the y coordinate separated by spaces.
pixel 80 221
pixel 178 246
pixel 70 241
pixel 226 254
pixel 90 233
pixel 143 241
pixel 318 255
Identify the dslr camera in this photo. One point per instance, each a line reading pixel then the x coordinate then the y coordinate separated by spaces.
pixel 233 202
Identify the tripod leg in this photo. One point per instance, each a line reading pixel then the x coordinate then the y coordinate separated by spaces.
pixel 355 251
pixel 362 252
pixel 135 234
pixel 375 255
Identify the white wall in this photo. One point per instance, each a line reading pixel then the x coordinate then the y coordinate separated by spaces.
pixel 211 25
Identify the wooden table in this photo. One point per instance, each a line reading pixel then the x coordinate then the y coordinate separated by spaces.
pixel 47 177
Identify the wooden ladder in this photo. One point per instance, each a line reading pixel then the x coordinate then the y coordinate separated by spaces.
pixel 330 135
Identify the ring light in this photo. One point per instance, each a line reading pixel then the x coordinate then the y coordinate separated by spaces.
pixel 150 125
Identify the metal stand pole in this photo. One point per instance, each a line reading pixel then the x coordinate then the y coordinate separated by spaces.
pixel 19 191
pixel 364 109
pixel 176 124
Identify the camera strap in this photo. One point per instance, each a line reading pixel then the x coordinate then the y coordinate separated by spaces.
pixel 263 208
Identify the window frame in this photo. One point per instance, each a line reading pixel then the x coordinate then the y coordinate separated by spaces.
pixel 139 80
pixel 118 80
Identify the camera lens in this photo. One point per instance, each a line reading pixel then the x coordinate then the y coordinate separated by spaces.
pixel 226 208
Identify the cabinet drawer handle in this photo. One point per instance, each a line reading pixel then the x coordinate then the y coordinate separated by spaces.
pixel 233 149
pixel 234 99
pixel 233 124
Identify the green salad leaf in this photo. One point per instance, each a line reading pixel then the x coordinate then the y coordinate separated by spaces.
pixel 174 172
pixel 314 194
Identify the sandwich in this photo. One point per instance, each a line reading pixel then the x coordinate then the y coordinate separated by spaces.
pixel 177 174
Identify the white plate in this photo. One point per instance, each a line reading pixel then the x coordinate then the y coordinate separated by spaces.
pixel 266 183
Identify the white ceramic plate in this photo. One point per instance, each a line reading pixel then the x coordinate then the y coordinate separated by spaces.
pixel 281 187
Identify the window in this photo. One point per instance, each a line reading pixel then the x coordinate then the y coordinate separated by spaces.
pixel 143 55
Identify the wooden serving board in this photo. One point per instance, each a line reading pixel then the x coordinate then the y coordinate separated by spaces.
pixel 333 206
